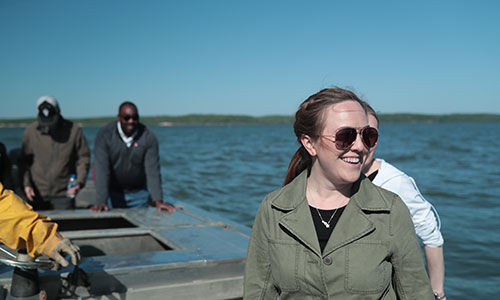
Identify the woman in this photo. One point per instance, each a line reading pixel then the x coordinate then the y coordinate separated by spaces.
pixel 329 233
pixel 385 175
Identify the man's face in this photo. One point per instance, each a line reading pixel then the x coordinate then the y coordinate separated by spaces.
pixel 129 118
pixel 372 121
pixel 48 115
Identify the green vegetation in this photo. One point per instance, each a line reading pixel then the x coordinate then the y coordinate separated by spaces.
pixel 216 119
pixel 198 119
pixel 420 118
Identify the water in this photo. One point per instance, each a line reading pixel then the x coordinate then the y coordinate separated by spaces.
pixel 229 170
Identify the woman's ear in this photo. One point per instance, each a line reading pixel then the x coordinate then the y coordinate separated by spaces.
pixel 308 143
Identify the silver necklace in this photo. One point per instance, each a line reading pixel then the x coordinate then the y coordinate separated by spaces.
pixel 327 224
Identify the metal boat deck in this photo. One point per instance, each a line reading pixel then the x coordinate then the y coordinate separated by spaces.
pixel 144 254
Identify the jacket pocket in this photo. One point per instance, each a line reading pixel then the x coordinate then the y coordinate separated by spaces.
pixel 284 256
pixel 368 269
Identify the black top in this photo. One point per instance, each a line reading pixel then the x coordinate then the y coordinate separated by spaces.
pixel 321 230
pixel 372 175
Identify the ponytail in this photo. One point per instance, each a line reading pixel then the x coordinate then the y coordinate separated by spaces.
pixel 300 161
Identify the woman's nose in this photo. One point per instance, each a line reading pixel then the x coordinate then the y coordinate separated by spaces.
pixel 358 144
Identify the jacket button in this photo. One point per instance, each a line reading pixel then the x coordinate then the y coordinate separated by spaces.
pixel 327 260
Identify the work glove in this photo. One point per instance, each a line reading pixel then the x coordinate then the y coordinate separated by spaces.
pixel 66 247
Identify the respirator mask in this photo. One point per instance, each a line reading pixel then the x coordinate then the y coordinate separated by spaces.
pixel 48 116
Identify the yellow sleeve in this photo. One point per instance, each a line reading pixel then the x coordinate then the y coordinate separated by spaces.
pixel 21 227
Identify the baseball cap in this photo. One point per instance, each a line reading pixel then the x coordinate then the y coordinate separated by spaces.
pixel 48 110
pixel 49 99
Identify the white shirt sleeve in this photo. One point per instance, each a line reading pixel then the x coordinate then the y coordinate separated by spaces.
pixel 423 214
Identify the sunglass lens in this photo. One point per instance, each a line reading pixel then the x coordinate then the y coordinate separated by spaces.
pixel 345 137
pixel 128 117
pixel 370 136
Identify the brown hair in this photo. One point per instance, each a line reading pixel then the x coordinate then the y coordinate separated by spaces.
pixel 371 111
pixel 309 121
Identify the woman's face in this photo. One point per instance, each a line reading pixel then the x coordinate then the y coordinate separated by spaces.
pixel 339 167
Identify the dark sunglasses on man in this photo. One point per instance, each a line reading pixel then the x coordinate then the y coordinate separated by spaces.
pixel 128 117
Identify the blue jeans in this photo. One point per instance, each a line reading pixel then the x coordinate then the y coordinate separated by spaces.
pixel 128 200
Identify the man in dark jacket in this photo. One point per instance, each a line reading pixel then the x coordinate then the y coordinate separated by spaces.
pixel 53 149
pixel 127 165
pixel 5 167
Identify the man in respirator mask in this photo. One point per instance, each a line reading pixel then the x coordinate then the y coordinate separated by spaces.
pixel 53 149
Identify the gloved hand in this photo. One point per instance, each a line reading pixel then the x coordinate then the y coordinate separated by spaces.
pixel 65 246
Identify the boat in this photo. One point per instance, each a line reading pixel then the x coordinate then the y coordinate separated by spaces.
pixel 140 253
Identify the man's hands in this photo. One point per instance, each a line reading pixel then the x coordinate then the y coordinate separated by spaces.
pixel 30 193
pixel 161 206
pixel 99 207
pixel 164 206
pixel 66 247
pixel 73 190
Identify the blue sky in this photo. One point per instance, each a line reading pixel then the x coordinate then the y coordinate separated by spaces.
pixel 247 57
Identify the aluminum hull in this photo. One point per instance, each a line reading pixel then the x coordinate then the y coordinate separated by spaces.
pixel 144 254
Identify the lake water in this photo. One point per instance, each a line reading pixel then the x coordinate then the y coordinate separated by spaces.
pixel 229 170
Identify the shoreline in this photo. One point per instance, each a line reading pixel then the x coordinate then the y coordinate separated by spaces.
pixel 249 120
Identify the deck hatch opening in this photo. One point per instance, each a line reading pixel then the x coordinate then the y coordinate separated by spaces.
pixel 121 244
pixel 93 223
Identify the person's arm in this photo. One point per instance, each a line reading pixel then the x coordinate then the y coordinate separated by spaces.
pixel 435 268
pixel 25 161
pixel 421 210
pixel 426 227
pixel 257 282
pixel 102 165
pixel 21 227
pixel 153 175
pixel 83 158
pixel 410 279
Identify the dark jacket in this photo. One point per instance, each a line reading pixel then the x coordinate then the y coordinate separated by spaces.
pixel 49 159
pixel 123 169
pixel 5 167
pixel 373 252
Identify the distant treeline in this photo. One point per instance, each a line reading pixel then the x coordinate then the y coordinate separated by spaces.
pixel 199 119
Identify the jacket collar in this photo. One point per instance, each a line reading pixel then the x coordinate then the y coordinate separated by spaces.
pixel 352 225
pixel 365 194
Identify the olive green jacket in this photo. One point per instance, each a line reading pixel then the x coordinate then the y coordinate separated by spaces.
pixel 373 252
pixel 49 159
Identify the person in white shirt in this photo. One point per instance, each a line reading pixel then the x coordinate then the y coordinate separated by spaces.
pixel 423 214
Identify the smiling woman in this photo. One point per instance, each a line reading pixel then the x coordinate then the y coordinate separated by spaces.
pixel 329 232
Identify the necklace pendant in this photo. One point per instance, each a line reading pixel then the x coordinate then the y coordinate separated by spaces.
pixel 325 223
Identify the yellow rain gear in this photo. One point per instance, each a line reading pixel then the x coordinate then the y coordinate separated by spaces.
pixel 21 227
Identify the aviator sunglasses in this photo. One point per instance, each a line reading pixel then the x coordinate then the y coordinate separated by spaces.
pixel 128 117
pixel 345 137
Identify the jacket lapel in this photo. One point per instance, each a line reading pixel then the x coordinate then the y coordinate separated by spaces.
pixel 297 219
pixel 354 222
pixel 352 225
pixel 299 223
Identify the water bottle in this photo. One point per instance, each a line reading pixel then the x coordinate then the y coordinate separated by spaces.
pixel 71 184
